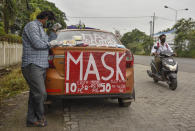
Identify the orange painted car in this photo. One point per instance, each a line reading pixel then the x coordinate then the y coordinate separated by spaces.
pixel 89 63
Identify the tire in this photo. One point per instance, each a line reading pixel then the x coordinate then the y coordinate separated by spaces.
pixel 122 102
pixel 46 108
pixel 154 72
pixel 155 80
pixel 126 102
pixel 173 84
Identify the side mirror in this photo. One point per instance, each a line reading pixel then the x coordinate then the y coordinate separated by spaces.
pixel 155 47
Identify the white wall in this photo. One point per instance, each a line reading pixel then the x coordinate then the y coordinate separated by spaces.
pixel 10 53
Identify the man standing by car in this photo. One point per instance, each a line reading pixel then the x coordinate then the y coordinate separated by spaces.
pixel 161 46
pixel 34 64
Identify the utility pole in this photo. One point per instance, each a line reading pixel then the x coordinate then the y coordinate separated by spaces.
pixel 153 23
pixel 151 29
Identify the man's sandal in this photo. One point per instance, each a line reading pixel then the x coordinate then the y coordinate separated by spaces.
pixel 36 124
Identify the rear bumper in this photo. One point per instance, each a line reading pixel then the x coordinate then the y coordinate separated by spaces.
pixel 55 85
pixel 130 96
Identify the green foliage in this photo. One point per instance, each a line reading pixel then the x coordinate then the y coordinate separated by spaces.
pixel 185 39
pixel 12 84
pixel 34 14
pixel 2 32
pixel 8 13
pixel 184 25
pixel 17 13
pixel 137 41
pixel 11 38
pixel 45 5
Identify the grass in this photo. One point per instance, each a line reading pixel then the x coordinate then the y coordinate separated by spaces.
pixel 12 84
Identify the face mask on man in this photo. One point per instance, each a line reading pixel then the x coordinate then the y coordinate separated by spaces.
pixel 163 40
pixel 48 24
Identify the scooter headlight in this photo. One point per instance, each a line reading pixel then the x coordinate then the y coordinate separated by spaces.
pixel 172 68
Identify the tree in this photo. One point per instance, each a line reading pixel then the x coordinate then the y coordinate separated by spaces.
pixel 185 37
pixel 1 10
pixel 147 45
pixel 137 41
pixel 9 13
pixel 15 14
pixel 45 5
pixel 184 25
pixel 34 14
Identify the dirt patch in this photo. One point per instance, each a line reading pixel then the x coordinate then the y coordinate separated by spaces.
pixel 13 92
pixel 6 70
pixel 8 107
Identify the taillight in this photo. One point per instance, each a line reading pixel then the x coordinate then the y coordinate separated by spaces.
pixel 129 59
pixel 50 59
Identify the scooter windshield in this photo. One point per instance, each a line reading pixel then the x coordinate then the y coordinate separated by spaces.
pixel 166 53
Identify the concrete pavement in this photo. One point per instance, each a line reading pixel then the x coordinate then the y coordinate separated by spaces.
pixel 157 108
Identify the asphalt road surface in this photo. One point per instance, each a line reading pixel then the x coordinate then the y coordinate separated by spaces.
pixel 156 108
pixel 185 64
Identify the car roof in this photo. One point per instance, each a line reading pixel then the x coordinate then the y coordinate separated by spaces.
pixel 96 30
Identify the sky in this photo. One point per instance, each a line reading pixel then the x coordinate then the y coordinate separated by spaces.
pixel 139 11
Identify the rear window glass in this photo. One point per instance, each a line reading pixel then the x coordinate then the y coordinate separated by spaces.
pixel 88 37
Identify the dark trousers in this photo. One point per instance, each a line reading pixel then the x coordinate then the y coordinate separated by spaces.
pixel 157 63
pixel 35 78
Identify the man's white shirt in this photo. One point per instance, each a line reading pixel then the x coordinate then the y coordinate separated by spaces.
pixel 161 48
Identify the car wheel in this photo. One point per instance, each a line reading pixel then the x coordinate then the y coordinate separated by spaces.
pixel 124 102
pixel 47 105
pixel 46 108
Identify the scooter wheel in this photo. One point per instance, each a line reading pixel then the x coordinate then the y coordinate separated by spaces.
pixel 155 80
pixel 154 72
pixel 173 84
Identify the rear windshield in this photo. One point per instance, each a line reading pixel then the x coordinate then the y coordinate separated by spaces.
pixel 88 37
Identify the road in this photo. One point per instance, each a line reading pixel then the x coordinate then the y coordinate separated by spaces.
pixel 185 64
pixel 156 108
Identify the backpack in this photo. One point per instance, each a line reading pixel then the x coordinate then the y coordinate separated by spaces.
pixel 158 45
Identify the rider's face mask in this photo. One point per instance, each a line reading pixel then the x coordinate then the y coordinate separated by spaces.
pixel 163 40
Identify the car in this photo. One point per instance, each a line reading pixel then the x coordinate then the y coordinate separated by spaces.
pixel 90 63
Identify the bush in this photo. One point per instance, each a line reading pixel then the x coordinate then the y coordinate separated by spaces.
pixel 192 53
pixel 10 38
pixel 12 84
pixel 2 32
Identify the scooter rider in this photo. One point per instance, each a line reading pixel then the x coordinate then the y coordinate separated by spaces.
pixel 161 46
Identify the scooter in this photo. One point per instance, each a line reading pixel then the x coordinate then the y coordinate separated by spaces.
pixel 168 72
